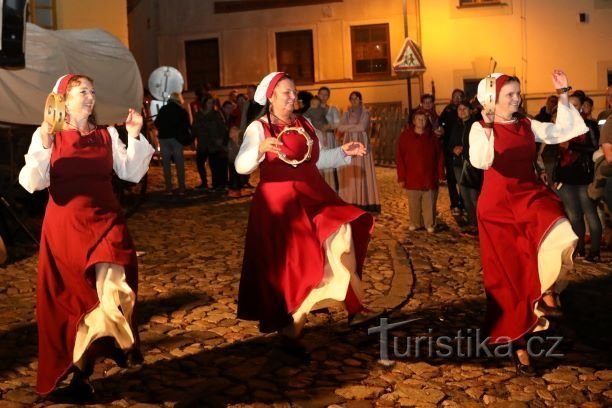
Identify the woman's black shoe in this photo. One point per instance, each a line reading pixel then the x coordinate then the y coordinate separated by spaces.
pixel 135 357
pixel 119 357
pixel 78 391
pixel 526 370
pixel 82 389
pixel 549 311
pixel 295 348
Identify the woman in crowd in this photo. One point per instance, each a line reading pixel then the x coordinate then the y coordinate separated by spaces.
pixel 357 182
pixel 304 245
pixel 329 136
pixel 469 178
pixel 526 241
pixel 420 167
pixel 87 269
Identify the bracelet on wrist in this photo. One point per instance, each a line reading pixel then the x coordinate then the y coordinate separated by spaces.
pixel 488 125
pixel 563 90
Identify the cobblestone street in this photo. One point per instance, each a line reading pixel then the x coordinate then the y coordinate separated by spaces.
pixel 197 354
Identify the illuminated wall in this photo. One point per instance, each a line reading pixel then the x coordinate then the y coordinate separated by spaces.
pixel 526 38
pixel 110 15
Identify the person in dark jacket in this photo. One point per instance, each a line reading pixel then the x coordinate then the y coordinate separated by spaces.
pixel 573 173
pixel 469 178
pixel 211 135
pixel 447 121
pixel 171 122
pixel 545 114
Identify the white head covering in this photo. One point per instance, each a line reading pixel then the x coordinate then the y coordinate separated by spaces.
pixel 62 83
pixel 266 86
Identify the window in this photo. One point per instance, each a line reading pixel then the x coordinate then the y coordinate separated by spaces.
pixel 609 77
pixel 294 55
pixel 202 60
pixel 470 87
pixel 477 3
pixel 42 13
pixel 370 51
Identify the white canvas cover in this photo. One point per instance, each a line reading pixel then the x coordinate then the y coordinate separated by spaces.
pixel 52 53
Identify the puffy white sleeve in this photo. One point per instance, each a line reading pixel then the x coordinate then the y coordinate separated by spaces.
pixel 130 164
pixel 332 158
pixel 329 158
pixel 34 175
pixel 481 147
pixel 568 125
pixel 248 158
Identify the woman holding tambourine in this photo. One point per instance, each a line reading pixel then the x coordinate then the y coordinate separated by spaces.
pixel 87 269
pixel 526 241
pixel 304 245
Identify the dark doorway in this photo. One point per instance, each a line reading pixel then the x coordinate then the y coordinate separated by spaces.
pixel 202 60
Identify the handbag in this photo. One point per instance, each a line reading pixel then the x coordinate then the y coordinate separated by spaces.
pixel 471 177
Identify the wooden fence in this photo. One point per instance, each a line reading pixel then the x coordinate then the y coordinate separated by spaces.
pixel 387 121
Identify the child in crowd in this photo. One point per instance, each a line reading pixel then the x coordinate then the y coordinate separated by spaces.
pixel 316 113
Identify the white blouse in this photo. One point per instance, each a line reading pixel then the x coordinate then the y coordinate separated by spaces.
pixel 569 124
pixel 130 164
pixel 248 158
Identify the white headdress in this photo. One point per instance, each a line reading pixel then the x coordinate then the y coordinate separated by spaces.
pixel 266 86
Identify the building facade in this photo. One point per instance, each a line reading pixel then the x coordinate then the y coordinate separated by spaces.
pixel 351 44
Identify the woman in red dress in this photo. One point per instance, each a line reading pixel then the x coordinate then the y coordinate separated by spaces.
pixel 87 270
pixel 526 241
pixel 304 245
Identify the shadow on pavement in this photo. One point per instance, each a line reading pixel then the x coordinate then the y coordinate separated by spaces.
pixel 19 346
pixel 259 370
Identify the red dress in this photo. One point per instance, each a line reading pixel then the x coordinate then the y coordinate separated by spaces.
pixel 83 226
pixel 292 213
pixel 515 211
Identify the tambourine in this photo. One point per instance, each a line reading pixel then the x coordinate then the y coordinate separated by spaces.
pixel 488 102
pixel 55 110
pixel 309 142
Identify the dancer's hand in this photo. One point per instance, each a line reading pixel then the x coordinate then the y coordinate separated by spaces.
pixel 46 134
pixel 133 123
pixel 354 149
pixel 488 116
pixel 271 145
pixel 559 79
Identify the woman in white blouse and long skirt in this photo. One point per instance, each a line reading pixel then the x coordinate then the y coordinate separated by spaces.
pixel 304 245
pixel 87 269
pixel 357 181
pixel 526 241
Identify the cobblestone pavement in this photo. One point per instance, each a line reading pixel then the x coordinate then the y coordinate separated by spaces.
pixel 198 354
